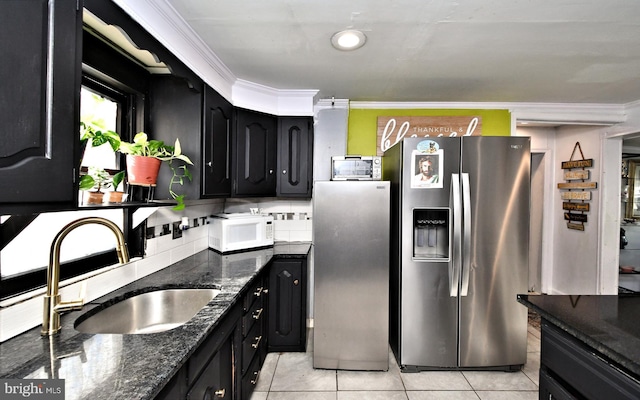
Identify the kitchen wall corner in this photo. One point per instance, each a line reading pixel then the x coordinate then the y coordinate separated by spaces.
pixel 293 219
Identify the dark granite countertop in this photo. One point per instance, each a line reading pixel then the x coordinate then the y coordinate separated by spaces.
pixel 113 366
pixel 608 324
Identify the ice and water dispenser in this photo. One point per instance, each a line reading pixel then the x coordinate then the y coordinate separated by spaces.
pixel 431 234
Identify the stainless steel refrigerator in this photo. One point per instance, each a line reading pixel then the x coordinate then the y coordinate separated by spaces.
pixel 459 254
pixel 351 275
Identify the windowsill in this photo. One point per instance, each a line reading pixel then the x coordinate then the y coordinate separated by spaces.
pixel 41 291
pixel 32 208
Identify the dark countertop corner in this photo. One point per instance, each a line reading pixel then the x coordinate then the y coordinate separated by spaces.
pixel 610 324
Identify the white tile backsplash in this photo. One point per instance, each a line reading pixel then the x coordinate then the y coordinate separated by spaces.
pixel 161 251
pixel 292 218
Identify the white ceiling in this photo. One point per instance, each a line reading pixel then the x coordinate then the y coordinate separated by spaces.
pixel 562 51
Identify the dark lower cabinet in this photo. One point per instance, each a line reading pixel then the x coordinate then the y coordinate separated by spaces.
pixel 570 369
pixel 252 339
pixel 216 380
pixel 209 372
pixel 287 305
pixel 269 316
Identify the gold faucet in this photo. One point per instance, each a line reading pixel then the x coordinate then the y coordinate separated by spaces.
pixel 52 304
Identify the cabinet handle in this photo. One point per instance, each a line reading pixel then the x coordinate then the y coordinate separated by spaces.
pixel 296 282
pixel 210 164
pixel 284 172
pixel 258 292
pixel 270 172
pixel 257 343
pixel 256 375
pixel 265 290
pixel 258 313
pixel 220 393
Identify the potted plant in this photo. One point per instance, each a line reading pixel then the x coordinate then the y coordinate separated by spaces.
pixel 98 178
pixel 143 163
pixel 98 137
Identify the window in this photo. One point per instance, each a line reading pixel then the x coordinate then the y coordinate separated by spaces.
pixel 117 86
pixel 27 255
pixel 100 113
pixel 24 259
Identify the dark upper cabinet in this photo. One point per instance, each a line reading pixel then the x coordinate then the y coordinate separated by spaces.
pixel 175 111
pixel 287 305
pixel 39 101
pixel 202 120
pixel 295 157
pixel 254 151
pixel 216 145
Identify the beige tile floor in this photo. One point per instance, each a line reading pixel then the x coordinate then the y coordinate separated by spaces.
pixel 290 376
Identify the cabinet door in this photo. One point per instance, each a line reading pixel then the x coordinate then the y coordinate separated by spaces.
pixel 175 113
pixel 216 381
pixel 39 100
pixel 216 139
pixel 295 158
pixel 255 154
pixel 287 305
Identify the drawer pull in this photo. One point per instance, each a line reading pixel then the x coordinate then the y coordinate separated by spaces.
pixel 257 343
pixel 265 290
pixel 220 393
pixel 257 314
pixel 254 381
pixel 258 292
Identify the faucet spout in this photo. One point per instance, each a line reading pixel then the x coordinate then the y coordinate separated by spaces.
pixel 53 306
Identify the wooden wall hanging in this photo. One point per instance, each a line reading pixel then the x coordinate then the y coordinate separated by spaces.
pixel 577 187
pixel 392 130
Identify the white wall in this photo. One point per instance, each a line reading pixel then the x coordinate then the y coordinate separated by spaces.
pixel 542 145
pixel 576 252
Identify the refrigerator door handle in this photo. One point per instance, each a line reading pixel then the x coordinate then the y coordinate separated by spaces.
pixel 455 264
pixel 466 234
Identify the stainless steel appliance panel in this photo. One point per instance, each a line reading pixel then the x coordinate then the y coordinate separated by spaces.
pixel 428 311
pixel 351 275
pixel 453 305
pixel 492 323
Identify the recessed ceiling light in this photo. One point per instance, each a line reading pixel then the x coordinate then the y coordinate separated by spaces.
pixel 349 39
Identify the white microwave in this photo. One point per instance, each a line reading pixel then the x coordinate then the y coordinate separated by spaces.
pixel 240 231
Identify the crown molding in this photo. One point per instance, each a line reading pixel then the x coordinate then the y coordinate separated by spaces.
pixel 164 23
pixel 266 99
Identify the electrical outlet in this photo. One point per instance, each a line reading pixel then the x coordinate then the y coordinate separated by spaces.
pixel 165 230
pixel 177 232
pixel 151 232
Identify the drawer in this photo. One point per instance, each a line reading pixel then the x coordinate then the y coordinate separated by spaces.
pixel 552 389
pixel 250 346
pixel 255 292
pixel 253 316
pixel 585 371
pixel 250 380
